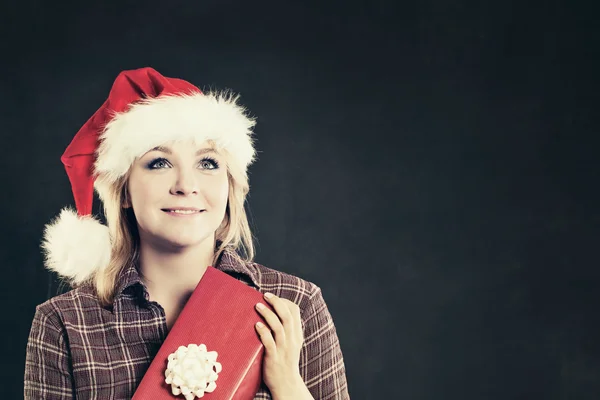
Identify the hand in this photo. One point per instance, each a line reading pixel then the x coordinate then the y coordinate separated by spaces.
pixel 281 371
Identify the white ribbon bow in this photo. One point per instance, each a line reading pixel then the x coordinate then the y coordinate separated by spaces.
pixel 192 370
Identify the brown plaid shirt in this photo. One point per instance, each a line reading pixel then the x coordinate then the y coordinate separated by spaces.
pixel 79 350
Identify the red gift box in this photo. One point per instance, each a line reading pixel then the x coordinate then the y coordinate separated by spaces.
pixel 221 314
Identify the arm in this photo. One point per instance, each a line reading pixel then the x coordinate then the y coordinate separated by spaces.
pixel 321 361
pixel 47 365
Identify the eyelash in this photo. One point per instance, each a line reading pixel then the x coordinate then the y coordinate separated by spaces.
pixel 152 164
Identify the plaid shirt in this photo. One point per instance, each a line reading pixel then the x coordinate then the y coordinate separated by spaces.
pixel 77 349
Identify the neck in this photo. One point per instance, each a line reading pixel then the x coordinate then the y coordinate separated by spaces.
pixel 174 274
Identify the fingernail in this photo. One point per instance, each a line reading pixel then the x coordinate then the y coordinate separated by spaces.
pixel 260 306
pixel 269 295
pixel 260 324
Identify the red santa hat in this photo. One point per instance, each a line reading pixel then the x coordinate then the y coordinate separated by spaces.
pixel 143 110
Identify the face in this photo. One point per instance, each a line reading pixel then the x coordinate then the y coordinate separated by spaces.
pixel 179 194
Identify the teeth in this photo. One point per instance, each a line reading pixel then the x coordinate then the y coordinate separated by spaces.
pixel 183 211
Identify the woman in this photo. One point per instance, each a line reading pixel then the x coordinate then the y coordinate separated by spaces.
pixel 169 164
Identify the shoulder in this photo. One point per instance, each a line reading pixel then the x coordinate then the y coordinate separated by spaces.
pixel 65 307
pixel 298 290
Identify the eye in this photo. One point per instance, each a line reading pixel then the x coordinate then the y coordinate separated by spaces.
pixel 158 163
pixel 209 163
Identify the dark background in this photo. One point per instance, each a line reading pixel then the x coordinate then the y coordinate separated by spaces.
pixel 431 165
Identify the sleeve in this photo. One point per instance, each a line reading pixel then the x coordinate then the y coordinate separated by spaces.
pixel 321 361
pixel 47 361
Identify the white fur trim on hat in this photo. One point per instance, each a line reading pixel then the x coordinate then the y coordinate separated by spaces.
pixel 76 247
pixel 155 121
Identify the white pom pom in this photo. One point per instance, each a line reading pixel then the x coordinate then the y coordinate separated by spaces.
pixel 76 247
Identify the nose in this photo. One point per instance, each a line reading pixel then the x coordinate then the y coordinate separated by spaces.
pixel 185 183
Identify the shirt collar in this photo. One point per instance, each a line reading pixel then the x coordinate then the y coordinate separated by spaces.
pixel 229 262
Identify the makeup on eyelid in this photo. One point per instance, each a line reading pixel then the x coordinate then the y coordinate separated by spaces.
pixel 153 162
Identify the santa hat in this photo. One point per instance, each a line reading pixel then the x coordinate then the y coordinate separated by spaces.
pixel 144 109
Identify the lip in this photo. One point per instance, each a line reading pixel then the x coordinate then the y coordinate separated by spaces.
pixel 167 209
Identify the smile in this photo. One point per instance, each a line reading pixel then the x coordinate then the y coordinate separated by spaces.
pixel 182 211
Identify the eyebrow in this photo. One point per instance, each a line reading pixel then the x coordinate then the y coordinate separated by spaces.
pixel 199 152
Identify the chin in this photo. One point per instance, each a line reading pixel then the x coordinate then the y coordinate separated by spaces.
pixel 179 241
pixel 183 242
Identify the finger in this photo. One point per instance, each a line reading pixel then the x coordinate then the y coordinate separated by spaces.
pixel 296 320
pixel 282 310
pixel 266 338
pixel 274 323
pixel 297 317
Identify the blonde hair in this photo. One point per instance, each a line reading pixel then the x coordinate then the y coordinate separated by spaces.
pixel 234 232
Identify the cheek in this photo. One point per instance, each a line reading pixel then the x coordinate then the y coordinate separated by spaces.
pixel 225 190
pixel 143 192
pixel 219 193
